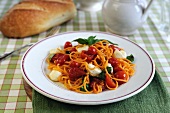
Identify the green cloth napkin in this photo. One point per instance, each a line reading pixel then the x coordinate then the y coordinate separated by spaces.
pixel 153 99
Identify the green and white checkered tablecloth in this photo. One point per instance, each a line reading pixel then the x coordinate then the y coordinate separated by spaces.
pixel 12 94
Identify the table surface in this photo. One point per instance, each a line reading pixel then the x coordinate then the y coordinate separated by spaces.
pixel 13 97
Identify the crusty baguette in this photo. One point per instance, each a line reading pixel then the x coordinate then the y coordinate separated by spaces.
pixel 30 17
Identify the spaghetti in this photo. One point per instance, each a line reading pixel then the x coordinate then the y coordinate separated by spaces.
pixel 93 70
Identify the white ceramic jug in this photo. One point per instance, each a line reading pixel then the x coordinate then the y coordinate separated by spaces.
pixel 124 17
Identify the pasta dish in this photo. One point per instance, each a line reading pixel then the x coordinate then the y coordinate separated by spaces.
pixel 90 66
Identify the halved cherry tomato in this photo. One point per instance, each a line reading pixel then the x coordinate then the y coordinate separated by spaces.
pixel 60 58
pixel 113 61
pixel 75 72
pixel 73 49
pixel 121 75
pixel 92 50
pixel 87 56
pixel 67 44
pixel 114 47
pixel 55 57
pixel 74 64
pixel 116 69
pixel 109 81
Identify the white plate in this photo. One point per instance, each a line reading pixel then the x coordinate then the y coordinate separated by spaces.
pixel 34 71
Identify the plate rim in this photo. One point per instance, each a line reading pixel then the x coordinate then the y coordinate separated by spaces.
pixel 98 102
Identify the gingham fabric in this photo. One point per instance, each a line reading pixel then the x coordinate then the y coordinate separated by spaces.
pixel 12 94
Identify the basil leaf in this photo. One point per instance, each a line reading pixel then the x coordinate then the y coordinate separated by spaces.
pixel 102 75
pixel 109 42
pixel 109 69
pixel 91 40
pixel 130 57
pixel 97 40
pixel 81 41
pixel 112 42
pixel 87 87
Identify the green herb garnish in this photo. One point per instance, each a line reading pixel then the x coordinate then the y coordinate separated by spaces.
pixel 130 57
pixel 102 75
pixel 109 69
pixel 90 40
pixel 87 87
pixel 109 41
pixel 81 41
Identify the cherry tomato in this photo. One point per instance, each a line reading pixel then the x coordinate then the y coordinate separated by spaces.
pixel 121 75
pixel 113 61
pixel 109 81
pixel 116 69
pixel 114 47
pixel 92 50
pixel 55 57
pixel 85 55
pixel 67 44
pixel 75 72
pixel 73 49
pixel 61 59
pixel 74 64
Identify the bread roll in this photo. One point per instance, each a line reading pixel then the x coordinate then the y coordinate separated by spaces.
pixel 30 17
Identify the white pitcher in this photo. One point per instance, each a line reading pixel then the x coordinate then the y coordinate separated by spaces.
pixel 124 17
